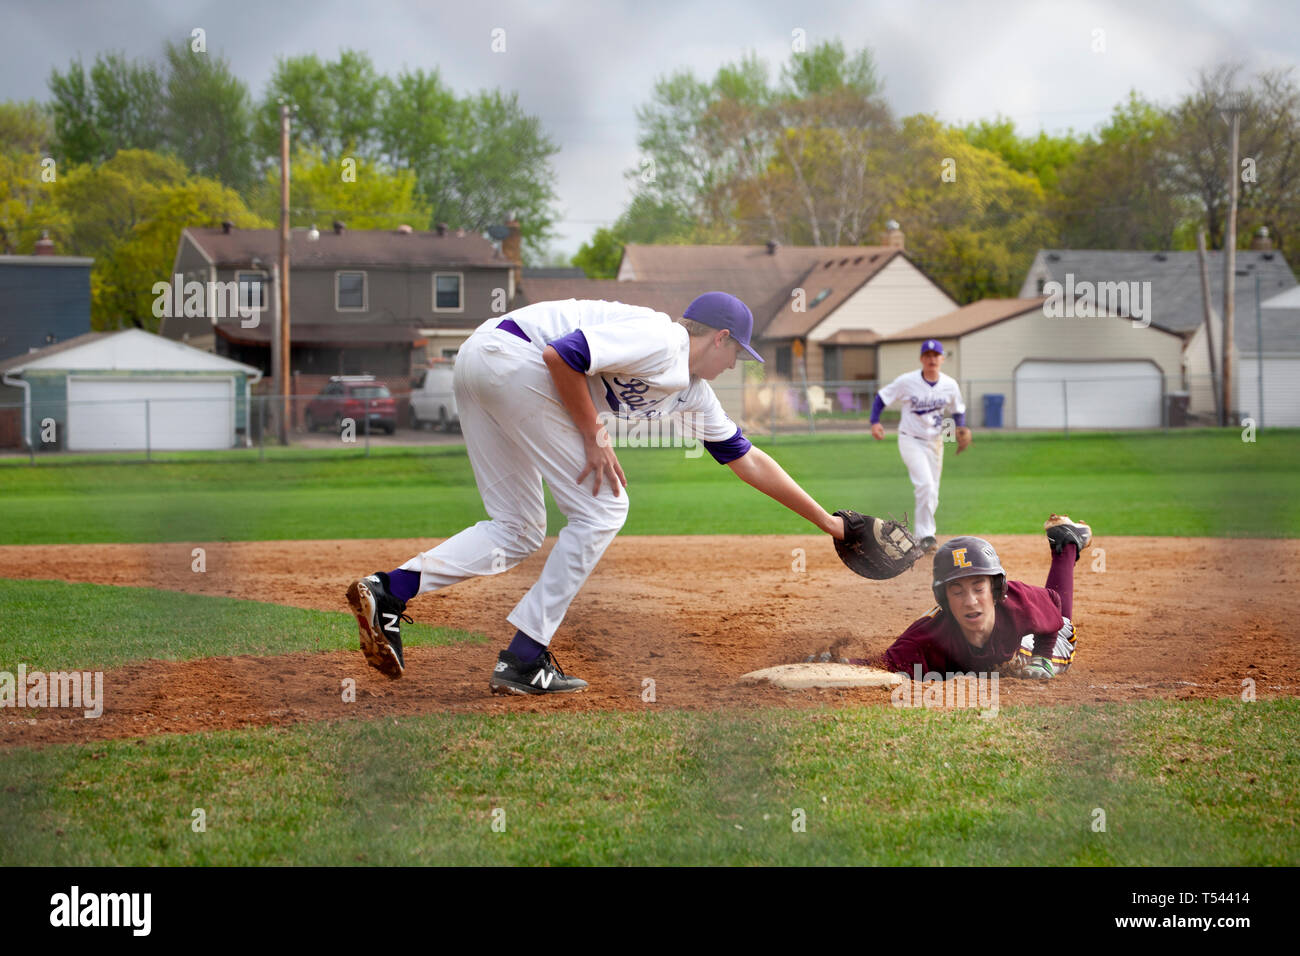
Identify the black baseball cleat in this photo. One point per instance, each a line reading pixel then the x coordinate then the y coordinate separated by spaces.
pixel 379 618
pixel 1061 530
pixel 929 545
pixel 542 676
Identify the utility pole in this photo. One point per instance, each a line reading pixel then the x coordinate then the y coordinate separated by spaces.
pixel 1232 107
pixel 282 329
pixel 1209 325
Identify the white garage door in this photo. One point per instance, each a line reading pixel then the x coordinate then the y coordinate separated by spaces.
pixel 1092 394
pixel 111 413
pixel 1281 392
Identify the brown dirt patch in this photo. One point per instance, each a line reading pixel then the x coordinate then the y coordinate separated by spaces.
pixel 1167 618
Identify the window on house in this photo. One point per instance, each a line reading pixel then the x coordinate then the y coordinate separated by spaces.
pixel 350 291
pixel 252 291
pixel 832 366
pixel 446 292
pixel 784 361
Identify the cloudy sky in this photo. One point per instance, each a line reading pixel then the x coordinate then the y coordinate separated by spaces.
pixel 584 67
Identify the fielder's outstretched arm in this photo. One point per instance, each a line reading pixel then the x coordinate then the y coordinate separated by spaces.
pixel 760 470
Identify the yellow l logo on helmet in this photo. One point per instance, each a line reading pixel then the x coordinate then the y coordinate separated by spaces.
pixel 959 558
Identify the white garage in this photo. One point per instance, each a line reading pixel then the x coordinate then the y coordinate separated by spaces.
pixel 131 391
pixel 1101 394
pixel 167 414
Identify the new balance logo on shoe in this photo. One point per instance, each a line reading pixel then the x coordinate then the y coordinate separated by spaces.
pixel 545 677
pixel 501 665
pixel 390 623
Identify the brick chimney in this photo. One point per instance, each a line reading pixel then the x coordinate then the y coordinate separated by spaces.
pixel 441 229
pixel 512 247
pixel 772 247
pixel 893 237
pixel 44 245
pixel 339 227
pixel 1261 241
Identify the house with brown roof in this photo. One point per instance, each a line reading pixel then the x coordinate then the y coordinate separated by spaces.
pixel 369 301
pixel 830 303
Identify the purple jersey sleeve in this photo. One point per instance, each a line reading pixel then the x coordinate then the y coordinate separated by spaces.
pixel 728 451
pixel 877 406
pixel 960 419
pixel 574 350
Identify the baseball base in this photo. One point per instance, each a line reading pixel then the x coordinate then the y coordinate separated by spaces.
pixel 803 676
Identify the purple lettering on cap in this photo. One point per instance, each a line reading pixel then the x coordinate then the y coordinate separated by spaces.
pixel 721 310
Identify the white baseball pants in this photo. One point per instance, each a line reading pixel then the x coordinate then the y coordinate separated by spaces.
pixel 924 461
pixel 519 434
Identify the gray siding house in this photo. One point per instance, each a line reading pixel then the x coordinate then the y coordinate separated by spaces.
pixel 376 301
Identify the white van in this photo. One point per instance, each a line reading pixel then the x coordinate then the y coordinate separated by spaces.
pixel 432 399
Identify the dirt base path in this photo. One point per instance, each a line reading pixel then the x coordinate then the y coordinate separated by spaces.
pixel 1167 617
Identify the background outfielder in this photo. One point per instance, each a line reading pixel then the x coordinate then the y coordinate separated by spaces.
pixel 925 394
pixel 985 623
pixel 528 386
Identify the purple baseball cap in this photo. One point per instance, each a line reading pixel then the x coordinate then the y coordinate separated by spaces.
pixel 721 310
pixel 931 345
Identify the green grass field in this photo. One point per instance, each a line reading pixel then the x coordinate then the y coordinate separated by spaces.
pixel 59 625
pixel 1192 483
pixel 1179 783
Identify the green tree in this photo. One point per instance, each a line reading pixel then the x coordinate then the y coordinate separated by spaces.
pixel 339 106
pixel 1118 193
pixel 127 213
pixel 599 256
pixel 25 127
pixel 119 104
pixel 499 165
pixel 1043 155
pixel 801 161
pixel 25 133
pixel 972 221
pixel 208 117
pixel 363 194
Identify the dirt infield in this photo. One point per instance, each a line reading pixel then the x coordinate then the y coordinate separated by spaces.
pixel 1166 618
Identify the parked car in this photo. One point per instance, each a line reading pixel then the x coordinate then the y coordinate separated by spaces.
pixel 358 397
pixel 432 399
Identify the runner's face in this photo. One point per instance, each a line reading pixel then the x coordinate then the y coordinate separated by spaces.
pixel 970 601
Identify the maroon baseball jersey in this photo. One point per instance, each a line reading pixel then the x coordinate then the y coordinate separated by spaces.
pixel 937 643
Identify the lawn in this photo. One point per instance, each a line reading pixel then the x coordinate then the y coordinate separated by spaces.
pixel 57 625
pixel 1154 783
pixel 1193 483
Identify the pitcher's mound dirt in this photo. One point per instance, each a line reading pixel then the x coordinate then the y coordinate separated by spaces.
pixel 673 622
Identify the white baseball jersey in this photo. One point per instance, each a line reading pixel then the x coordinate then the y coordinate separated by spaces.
pixel 519 436
pixel 638 361
pixel 923 403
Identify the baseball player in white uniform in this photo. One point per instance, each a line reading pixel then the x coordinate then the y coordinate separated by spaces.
pixel 528 386
pixel 925 394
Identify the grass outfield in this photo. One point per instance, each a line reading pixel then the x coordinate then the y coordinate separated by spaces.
pixel 1203 783
pixel 1196 483
pixel 53 625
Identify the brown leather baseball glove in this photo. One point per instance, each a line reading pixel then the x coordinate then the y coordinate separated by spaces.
pixel 875 548
pixel 963 439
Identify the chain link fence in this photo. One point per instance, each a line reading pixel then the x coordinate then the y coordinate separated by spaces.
pixel 239 428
